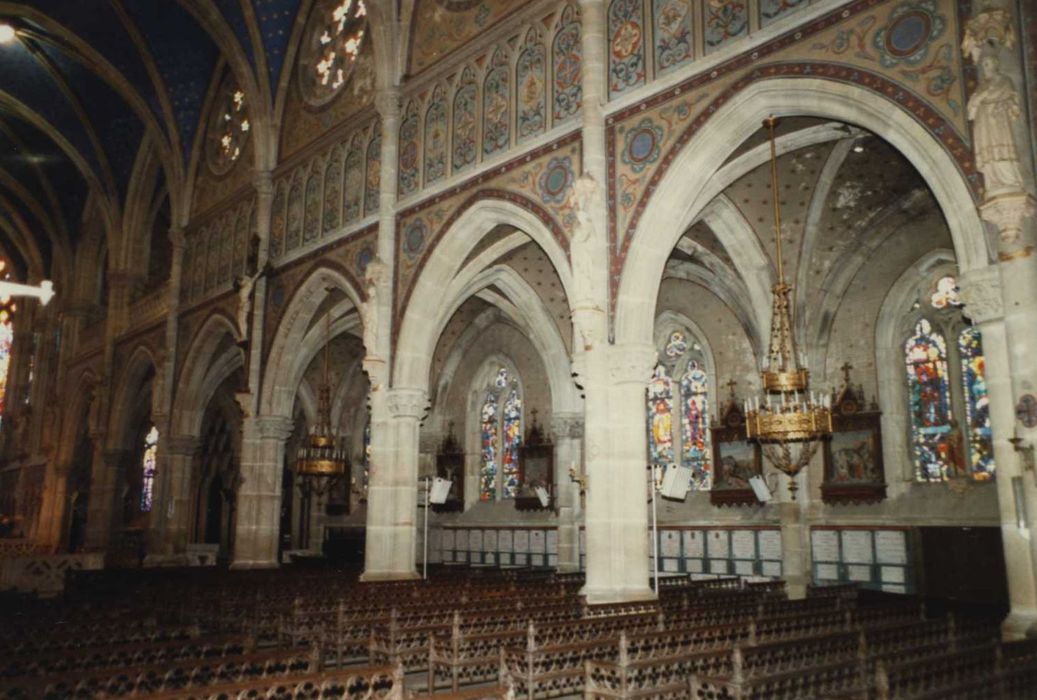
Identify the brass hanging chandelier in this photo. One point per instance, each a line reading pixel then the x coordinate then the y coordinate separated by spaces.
pixel 788 420
pixel 321 460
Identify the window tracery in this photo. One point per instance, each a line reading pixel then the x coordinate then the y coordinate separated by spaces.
pixel 7 309
pixel 947 394
pixel 148 464
pixel 500 437
pixel 229 128
pixel 334 39
pixel 678 410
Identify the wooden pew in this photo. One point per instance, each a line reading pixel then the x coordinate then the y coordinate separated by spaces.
pixel 108 657
pixel 142 680
pixel 963 674
pixel 99 635
pixel 805 667
pixel 358 683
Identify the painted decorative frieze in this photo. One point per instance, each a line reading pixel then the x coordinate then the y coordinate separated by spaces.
pixel 216 252
pixel 672 31
pixel 724 21
pixel 440 27
pixel 330 191
pixel 514 91
pixel 531 111
pixel 626 25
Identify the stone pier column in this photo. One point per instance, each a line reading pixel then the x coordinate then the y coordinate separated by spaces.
pixel 981 291
pixel 617 492
pixel 181 452
pixel 51 523
pixel 166 517
pixel 795 543
pixel 392 502
pixel 259 497
pixel 106 483
pixel 567 432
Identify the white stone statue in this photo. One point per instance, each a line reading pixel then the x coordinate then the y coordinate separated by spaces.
pixel 992 109
pixel 584 249
pixel 373 278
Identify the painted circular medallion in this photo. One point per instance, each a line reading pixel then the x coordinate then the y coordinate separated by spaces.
pixel 414 238
pixel 908 33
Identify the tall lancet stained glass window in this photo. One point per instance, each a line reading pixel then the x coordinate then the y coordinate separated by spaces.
pixel 490 437
pixel 695 425
pixel 977 405
pixel 148 463
pixel 500 435
pixel 7 308
pixel 678 410
pixel 512 440
pixel 933 445
pixel 660 418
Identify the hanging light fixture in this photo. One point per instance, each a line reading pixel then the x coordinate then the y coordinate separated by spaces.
pixel 788 420
pixel 321 460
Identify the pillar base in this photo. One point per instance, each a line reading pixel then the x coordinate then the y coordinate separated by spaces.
pixel 255 564
pixel 1019 625
pixel 374 576
pixel 165 560
pixel 602 596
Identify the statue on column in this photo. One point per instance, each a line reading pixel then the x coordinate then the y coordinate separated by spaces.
pixel 374 276
pixel 992 109
pixel 244 286
pixel 584 248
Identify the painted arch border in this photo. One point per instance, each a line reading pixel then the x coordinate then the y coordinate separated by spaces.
pixel 822 89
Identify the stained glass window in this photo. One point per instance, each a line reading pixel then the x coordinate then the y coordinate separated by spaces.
pixel 678 410
pixel 489 434
pixel 6 337
pixel 935 451
pixel 228 127
pixel 977 406
pixel 334 38
pixel 366 461
pixel 7 308
pixel 660 418
pixel 500 437
pixel 945 295
pixel 148 464
pixel 695 425
pixel 512 441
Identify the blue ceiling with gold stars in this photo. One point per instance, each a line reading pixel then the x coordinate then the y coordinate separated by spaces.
pixel 84 81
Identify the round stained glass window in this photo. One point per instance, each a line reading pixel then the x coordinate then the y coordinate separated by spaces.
pixel 333 39
pixel 228 128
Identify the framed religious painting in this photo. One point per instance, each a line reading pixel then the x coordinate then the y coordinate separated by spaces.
pixel 853 460
pixel 450 466
pixel 735 461
pixel 536 471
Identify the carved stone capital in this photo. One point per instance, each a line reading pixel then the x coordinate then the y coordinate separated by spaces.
pixel 177 237
pixel 407 403
pixel 565 426
pixel 115 457
pixel 632 364
pixel 1009 212
pixel 268 427
pixel 181 445
pixel 981 291
pixel 387 102
pixel 264 183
